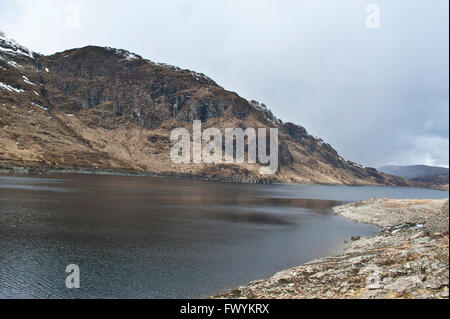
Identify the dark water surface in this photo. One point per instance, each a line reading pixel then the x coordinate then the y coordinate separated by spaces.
pixel 142 237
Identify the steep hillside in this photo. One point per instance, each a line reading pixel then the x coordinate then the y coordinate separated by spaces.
pixel 107 109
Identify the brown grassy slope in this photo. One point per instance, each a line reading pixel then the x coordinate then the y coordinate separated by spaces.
pixel 97 107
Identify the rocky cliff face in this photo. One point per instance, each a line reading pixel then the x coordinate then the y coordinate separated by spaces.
pixel 104 108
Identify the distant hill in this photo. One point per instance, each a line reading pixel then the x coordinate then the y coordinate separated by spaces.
pixel 419 173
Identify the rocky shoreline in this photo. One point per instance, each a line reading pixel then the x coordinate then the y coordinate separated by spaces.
pixel 408 258
pixel 233 175
pixel 32 170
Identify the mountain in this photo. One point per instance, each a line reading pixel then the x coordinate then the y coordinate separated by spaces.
pixel 420 173
pixel 107 109
pixel 413 171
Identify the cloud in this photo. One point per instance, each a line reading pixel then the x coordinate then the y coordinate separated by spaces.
pixel 427 150
pixel 379 96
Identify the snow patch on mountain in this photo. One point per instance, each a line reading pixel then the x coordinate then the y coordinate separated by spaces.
pixel 15 65
pixel 129 56
pixel 41 107
pixel 196 75
pixel 10 88
pixel 10 46
pixel 265 111
pixel 355 164
pixel 126 55
pixel 25 79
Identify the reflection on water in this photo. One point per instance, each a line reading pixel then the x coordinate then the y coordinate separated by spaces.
pixel 137 237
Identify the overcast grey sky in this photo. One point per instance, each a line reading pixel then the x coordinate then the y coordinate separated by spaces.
pixel 379 96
